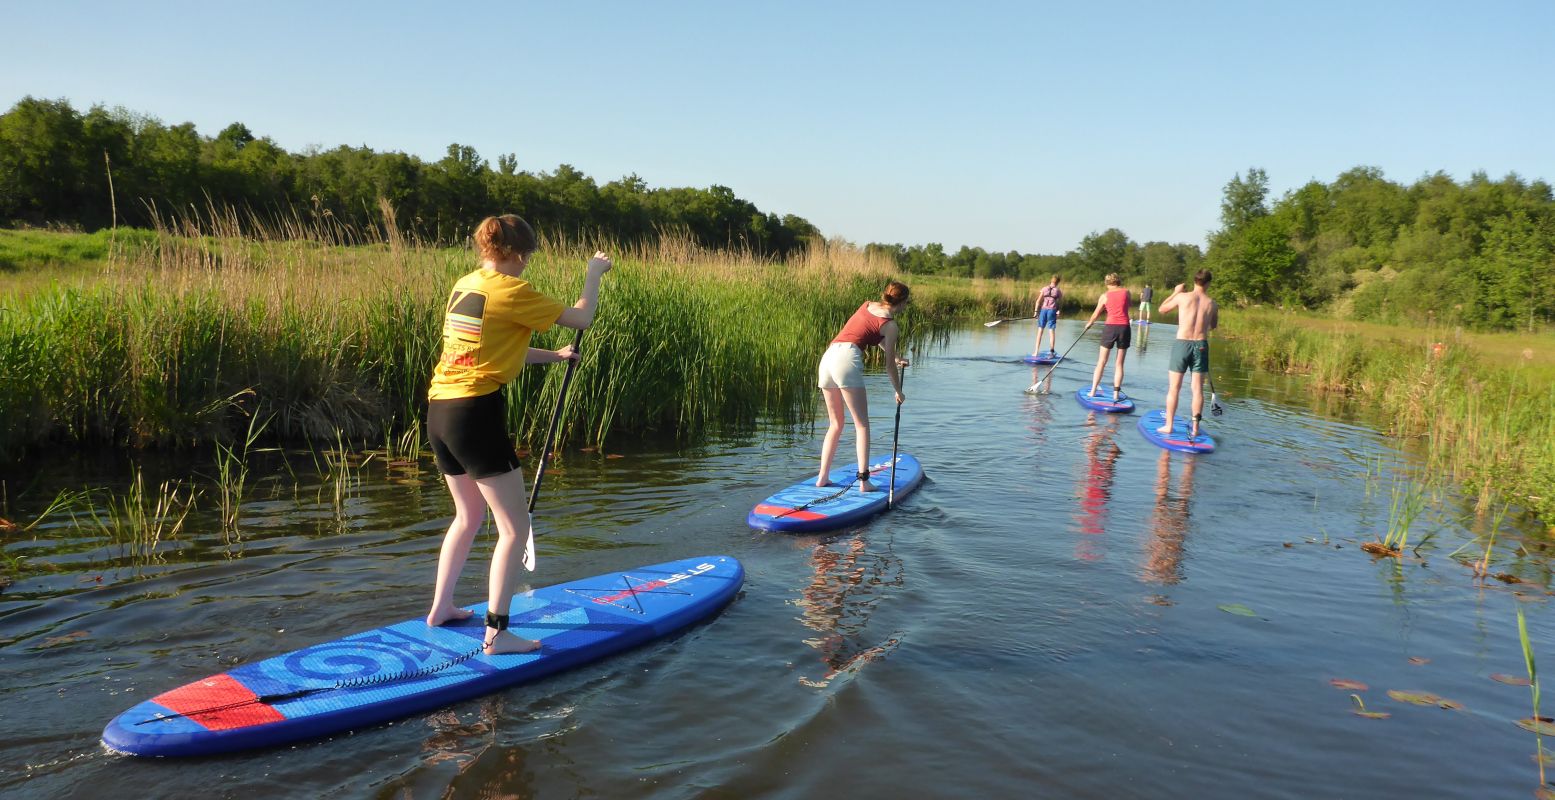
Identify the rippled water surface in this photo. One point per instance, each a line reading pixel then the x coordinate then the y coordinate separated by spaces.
pixel 1047 616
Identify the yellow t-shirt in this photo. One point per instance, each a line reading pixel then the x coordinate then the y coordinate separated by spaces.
pixel 486 329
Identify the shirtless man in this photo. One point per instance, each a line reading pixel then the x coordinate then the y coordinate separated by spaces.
pixel 1197 315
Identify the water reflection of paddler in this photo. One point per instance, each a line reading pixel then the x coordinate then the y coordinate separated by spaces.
pixel 1101 459
pixel 839 600
pixel 1168 522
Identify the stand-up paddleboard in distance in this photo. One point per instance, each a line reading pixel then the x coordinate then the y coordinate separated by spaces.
pixel 807 508
pixel 1102 401
pixel 384 674
pixel 1178 439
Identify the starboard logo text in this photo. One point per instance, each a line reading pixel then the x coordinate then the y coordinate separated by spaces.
pixel 656 584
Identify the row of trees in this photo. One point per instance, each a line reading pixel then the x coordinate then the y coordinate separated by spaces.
pixel 56 165
pixel 1156 263
pixel 1479 253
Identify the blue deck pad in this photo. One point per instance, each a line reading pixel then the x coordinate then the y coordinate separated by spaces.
pixel 1178 439
pixel 1103 401
pixel 398 670
pixel 1049 357
pixel 776 513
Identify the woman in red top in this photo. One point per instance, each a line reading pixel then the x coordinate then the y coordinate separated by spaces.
pixel 842 375
pixel 1116 302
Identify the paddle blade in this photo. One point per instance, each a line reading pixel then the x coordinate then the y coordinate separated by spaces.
pixel 1214 406
pixel 991 324
pixel 529 550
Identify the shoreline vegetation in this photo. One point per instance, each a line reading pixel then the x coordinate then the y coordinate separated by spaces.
pixel 179 337
pixel 183 336
pixel 1478 405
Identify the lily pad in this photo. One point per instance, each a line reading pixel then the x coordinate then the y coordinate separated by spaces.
pixel 1345 683
pixel 1510 680
pixel 1544 726
pixel 1238 609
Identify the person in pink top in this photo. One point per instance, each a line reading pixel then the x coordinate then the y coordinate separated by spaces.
pixel 1115 333
pixel 842 375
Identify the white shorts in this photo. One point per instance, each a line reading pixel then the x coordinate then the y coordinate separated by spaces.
pixel 1144 306
pixel 842 367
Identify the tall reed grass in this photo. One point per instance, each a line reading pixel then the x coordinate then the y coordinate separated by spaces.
pixel 183 338
pixel 1489 423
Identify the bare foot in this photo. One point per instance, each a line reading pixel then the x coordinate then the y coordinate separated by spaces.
pixel 822 483
pixel 445 616
pixel 504 643
pixel 866 487
pixel 1167 429
pixel 1195 431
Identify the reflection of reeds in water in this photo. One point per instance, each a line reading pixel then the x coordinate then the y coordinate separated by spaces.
pixel 838 602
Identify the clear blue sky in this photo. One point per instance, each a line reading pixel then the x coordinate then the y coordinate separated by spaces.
pixel 1018 125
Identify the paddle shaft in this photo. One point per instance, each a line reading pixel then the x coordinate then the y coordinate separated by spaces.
pixel 556 418
pixel 1049 374
pixel 896 432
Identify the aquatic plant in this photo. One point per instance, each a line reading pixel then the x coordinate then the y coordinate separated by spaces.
pixel 318 329
pixel 1533 687
pixel 232 474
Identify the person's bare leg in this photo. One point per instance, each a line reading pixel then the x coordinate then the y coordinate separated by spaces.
pixel 1101 365
pixel 469 513
pixel 1052 338
pixel 1198 400
pixel 1173 384
pixel 1117 374
pixel 858 408
pixel 833 399
pixel 506 495
pixel 1038 343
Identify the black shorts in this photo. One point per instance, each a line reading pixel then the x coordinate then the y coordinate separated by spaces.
pixel 1116 336
pixel 468 436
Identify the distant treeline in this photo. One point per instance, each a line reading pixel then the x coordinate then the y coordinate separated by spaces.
pixel 1156 263
pixel 1479 253
pixel 56 163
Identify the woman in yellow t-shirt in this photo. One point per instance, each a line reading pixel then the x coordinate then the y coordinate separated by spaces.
pixel 486 326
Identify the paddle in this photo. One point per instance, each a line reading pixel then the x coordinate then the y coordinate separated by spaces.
pixel 1036 387
pixel 896 430
pixel 1005 319
pixel 545 455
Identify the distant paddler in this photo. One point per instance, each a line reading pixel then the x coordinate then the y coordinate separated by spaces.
pixel 1048 301
pixel 841 375
pixel 1197 315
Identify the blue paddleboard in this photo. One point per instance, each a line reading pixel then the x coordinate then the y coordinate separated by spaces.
pixel 380 675
pixel 1103 401
pixel 1178 439
pixel 1050 357
pixel 807 508
pixel 1141 322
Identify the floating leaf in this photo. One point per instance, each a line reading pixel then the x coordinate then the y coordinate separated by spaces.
pixel 1424 699
pixel 1510 680
pixel 1342 683
pixel 1238 609
pixel 7 526
pixel 587 449
pixel 1418 661
pixel 614 455
pixel 1544 726
pixel 1507 577
pixel 1544 793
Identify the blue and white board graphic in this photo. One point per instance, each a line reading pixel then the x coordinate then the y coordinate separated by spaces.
pixel 1102 401
pixel 392 672
pixel 1178 439
pixel 807 508
pixel 1049 357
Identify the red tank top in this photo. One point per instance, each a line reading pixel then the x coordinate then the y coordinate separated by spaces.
pixel 1117 307
pixel 862 329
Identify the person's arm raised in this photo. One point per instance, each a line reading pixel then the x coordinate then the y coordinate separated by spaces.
pixel 581 315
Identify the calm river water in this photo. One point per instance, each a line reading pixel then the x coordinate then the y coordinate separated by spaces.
pixel 1061 611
